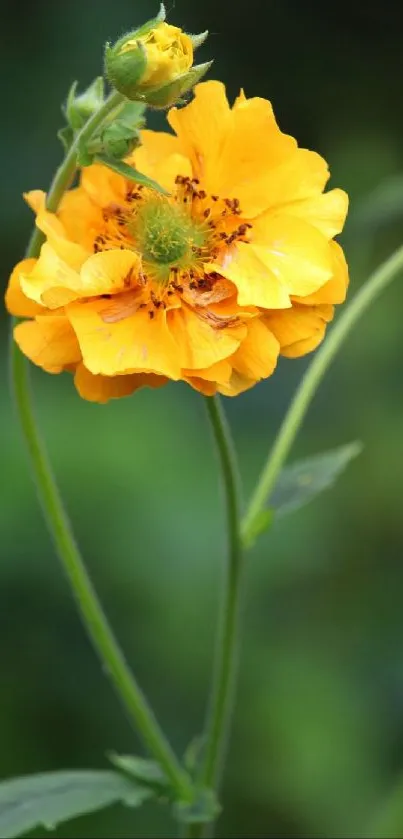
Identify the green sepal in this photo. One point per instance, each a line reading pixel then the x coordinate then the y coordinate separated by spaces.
pixel 203 809
pixel 168 94
pixel 129 172
pixel 125 70
pixel 66 137
pixel 78 109
pixel 198 40
pixel 141 30
pixel 147 773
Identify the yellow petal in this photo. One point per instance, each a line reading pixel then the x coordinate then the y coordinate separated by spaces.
pixel 327 212
pixel 201 128
pixel 109 272
pixel 49 342
pixel 54 283
pixel 16 301
pixel 51 282
pixel 257 355
pixel 36 199
pixel 218 372
pixel 257 285
pixel 102 185
pixel 74 255
pixel 159 157
pixel 134 344
pixel 201 385
pixel 237 384
pixel 81 217
pixel 103 388
pixel 335 290
pixel 296 253
pixel 300 329
pixel 301 175
pixel 253 147
pixel 199 343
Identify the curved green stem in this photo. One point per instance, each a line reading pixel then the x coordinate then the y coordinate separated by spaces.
pixel 379 280
pixel 89 606
pixel 220 710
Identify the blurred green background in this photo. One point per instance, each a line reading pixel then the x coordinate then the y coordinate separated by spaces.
pixel 318 735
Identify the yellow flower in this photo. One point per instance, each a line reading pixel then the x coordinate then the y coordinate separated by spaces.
pixel 169 53
pixel 154 63
pixel 207 285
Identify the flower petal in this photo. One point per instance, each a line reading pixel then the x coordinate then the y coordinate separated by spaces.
pixel 102 185
pixel 257 285
pixel 36 199
pixel 257 355
pixel 299 330
pixel 254 146
pixel 201 128
pixel 327 212
pixel 16 301
pixel 103 388
pixel 296 253
pixel 335 290
pixel 74 255
pixel 218 372
pixel 200 343
pixel 159 157
pixel 54 283
pixel 237 384
pixel 48 341
pixel 133 344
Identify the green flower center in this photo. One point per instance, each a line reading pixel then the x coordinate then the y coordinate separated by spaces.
pixel 167 236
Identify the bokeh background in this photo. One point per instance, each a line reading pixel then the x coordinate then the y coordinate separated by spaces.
pixel 317 745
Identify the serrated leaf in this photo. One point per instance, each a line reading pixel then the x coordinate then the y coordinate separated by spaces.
pixel 53 797
pixel 260 523
pixel 147 773
pixel 130 173
pixel 300 482
pixel 204 808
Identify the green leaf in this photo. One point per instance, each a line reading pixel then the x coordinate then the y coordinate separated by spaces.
pixel 300 482
pixel 204 808
pixel 53 797
pixel 66 137
pixel 260 523
pixel 147 773
pixel 130 173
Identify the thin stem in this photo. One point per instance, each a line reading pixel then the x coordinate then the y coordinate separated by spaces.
pixel 65 173
pixel 220 710
pixel 379 280
pixel 89 606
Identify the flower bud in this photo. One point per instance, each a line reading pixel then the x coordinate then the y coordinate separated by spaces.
pixel 155 57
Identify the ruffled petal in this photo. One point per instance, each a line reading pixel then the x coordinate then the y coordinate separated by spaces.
pixel 247 267
pixel 102 185
pixel 257 355
pixel 16 301
pixel 296 253
pixel 299 330
pixel 48 341
pixel 132 344
pixel 159 157
pixel 200 343
pixel 54 283
pixel 201 128
pixel 327 212
pixel 103 388
pixel 335 290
